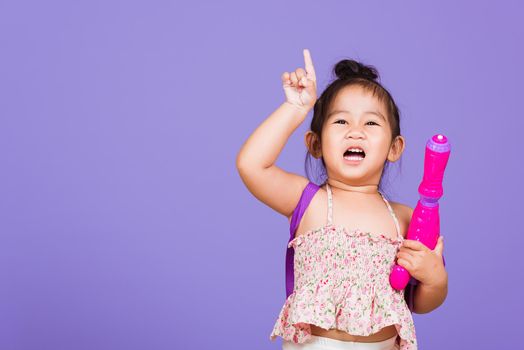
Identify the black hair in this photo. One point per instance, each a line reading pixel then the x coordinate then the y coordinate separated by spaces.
pixel 350 73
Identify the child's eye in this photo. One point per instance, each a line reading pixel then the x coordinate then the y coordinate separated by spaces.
pixel 342 120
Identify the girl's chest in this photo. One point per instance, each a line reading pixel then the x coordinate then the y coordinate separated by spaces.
pixel 351 219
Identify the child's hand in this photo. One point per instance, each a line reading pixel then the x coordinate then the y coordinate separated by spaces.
pixel 422 263
pixel 300 86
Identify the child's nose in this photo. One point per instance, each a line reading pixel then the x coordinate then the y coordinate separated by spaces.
pixel 355 133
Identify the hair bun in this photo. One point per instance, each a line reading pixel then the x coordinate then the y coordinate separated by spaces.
pixel 347 69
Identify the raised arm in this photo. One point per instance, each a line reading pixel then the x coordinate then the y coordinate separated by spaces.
pixel 255 162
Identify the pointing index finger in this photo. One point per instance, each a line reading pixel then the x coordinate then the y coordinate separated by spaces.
pixel 310 70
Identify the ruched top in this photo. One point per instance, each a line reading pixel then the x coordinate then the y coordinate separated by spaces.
pixel 342 282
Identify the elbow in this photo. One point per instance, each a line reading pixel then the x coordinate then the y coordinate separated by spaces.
pixel 248 165
pixel 420 311
pixel 421 308
pixel 243 167
pixel 246 170
pixel 241 163
pixel 239 160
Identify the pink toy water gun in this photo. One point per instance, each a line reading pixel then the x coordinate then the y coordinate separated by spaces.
pixel 425 222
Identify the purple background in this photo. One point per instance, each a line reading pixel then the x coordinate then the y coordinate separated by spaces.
pixel 123 221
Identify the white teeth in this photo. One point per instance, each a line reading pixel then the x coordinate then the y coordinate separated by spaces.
pixel 354 157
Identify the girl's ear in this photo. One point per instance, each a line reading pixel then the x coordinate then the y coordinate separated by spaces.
pixel 396 149
pixel 313 144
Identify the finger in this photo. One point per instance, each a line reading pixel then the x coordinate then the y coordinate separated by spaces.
pixel 285 78
pixel 410 254
pixel 439 248
pixel 304 82
pixel 294 78
pixel 310 70
pixel 410 251
pixel 404 255
pixel 414 244
pixel 301 76
pixel 301 73
pixel 404 263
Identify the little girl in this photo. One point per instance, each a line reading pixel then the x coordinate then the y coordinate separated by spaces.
pixel 345 235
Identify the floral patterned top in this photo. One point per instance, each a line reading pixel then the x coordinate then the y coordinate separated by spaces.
pixel 342 282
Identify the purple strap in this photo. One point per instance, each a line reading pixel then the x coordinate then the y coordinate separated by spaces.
pixel 301 207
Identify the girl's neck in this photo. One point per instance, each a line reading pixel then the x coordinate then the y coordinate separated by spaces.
pixel 367 189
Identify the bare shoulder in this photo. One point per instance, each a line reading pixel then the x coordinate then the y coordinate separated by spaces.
pixel 300 185
pixel 402 209
pixel 404 213
pixel 314 202
pixel 314 214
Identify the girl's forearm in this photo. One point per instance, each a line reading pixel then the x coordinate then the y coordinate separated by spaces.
pixel 428 297
pixel 263 147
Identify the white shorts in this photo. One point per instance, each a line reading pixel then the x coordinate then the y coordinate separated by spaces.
pixel 323 343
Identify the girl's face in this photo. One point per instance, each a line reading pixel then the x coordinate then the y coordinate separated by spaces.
pixel 357 119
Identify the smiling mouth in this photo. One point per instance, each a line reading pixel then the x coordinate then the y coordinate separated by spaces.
pixel 353 155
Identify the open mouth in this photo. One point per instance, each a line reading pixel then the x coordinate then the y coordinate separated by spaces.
pixel 353 153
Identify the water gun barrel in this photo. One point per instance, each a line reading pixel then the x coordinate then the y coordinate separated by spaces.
pixel 425 221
